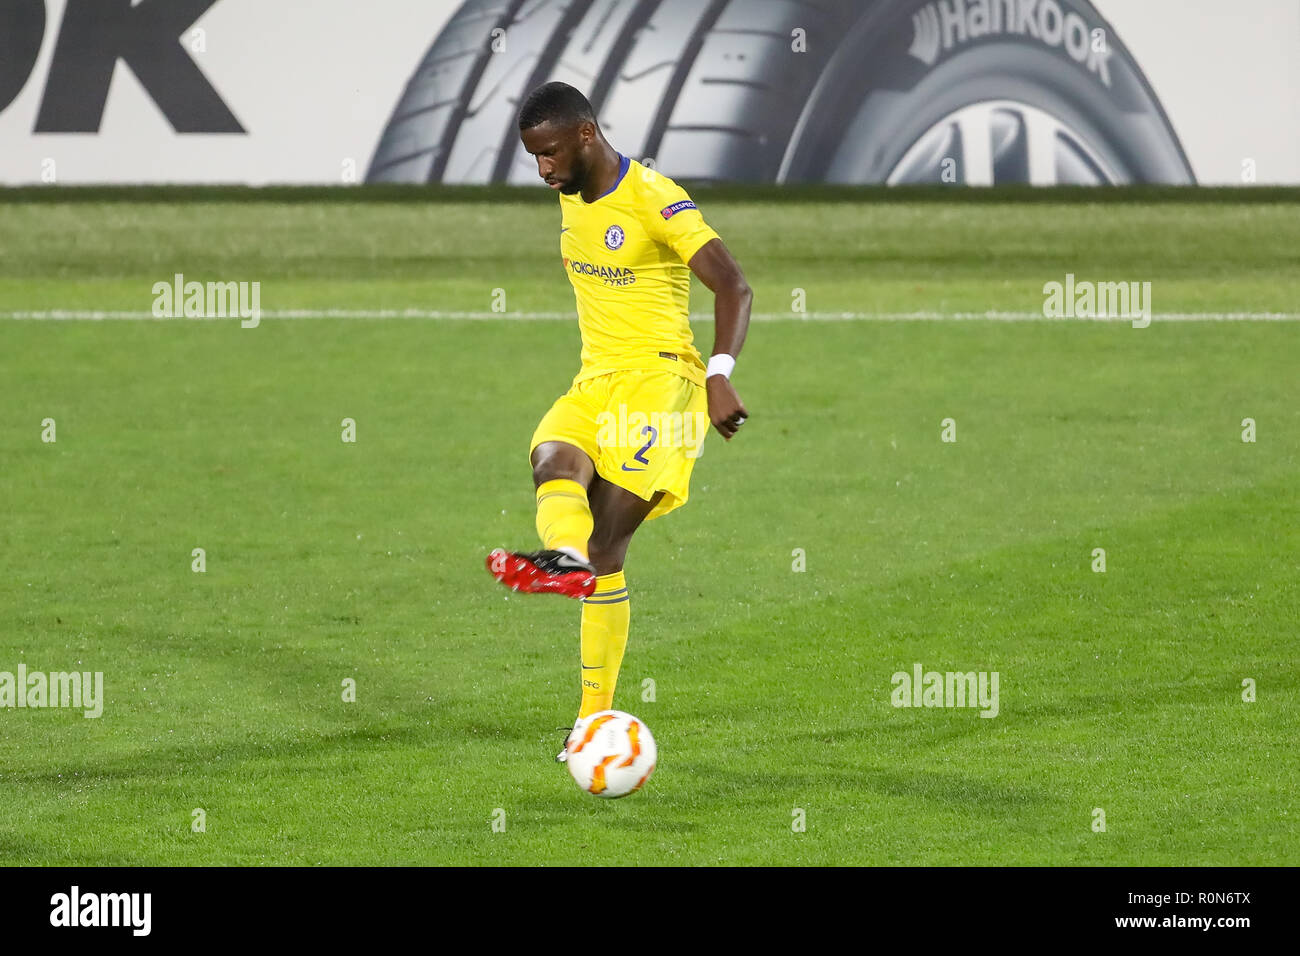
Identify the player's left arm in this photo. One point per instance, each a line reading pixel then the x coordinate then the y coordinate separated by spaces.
pixel 732 297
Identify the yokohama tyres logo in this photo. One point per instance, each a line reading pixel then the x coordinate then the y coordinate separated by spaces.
pixel 93 36
pixel 610 275
pixel 940 26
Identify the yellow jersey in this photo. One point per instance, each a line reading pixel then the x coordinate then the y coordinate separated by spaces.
pixel 626 254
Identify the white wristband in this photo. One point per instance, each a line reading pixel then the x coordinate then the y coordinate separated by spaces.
pixel 722 364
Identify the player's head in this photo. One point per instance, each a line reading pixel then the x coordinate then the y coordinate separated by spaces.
pixel 558 127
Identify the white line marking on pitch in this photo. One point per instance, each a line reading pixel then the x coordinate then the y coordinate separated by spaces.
pixel 96 316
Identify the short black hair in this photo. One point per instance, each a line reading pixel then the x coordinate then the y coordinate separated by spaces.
pixel 557 103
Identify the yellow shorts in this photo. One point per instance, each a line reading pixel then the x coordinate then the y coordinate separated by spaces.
pixel 643 429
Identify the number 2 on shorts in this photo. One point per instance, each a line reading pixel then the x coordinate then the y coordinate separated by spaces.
pixel 646 447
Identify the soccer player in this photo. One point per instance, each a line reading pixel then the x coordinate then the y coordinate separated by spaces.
pixel 619 446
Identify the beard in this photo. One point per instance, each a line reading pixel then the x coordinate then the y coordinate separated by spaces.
pixel 577 177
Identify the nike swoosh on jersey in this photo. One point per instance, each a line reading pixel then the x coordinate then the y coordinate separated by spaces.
pixel 626 468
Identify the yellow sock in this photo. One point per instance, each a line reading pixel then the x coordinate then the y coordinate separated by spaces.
pixel 605 619
pixel 564 516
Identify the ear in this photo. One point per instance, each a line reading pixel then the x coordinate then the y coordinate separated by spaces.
pixel 587 133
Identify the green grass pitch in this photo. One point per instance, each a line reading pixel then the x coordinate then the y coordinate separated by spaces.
pixel 1120 691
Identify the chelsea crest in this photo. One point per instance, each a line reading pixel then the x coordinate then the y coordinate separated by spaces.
pixel 614 237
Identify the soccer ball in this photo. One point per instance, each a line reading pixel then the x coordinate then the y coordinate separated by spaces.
pixel 610 753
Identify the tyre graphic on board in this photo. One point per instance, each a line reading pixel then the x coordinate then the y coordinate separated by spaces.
pixel 849 91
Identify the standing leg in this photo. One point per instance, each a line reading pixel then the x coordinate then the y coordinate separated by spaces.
pixel 606 614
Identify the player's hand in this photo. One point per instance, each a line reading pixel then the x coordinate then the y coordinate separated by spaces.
pixel 725 408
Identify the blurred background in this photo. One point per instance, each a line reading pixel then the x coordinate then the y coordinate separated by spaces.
pixel 963 91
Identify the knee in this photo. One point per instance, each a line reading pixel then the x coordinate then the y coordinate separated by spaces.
pixel 607 554
pixel 551 461
pixel 545 471
pixel 552 467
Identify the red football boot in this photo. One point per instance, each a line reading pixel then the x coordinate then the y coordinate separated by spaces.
pixel 543 572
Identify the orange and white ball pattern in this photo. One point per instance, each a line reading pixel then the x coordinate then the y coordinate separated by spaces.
pixel 611 754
